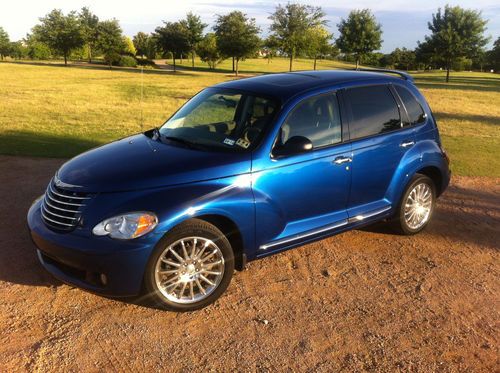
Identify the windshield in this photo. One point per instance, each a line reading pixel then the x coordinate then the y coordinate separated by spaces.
pixel 221 119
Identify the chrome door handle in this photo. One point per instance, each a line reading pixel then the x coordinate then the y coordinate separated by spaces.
pixel 341 160
pixel 406 144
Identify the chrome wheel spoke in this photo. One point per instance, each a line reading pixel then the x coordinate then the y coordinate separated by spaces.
pixel 207 280
pixel 179 258
pixel 186 272
pixel 200 287
pixel 193 252
pixel 211 272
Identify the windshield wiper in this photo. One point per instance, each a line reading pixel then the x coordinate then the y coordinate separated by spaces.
pixel 156 134
pixel 180 140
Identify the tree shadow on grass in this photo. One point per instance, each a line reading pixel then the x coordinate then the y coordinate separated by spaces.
pixel 104 68
pixel 456 87
pixel 484 84
pixel 27 143
pixel 486 119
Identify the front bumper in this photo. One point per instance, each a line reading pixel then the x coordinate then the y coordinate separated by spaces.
pixel 99 264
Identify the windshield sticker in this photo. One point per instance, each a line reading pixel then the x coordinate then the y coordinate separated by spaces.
pixel 243 143
pixel 228 141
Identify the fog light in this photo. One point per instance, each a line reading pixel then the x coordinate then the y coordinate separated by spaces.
pixel 104 279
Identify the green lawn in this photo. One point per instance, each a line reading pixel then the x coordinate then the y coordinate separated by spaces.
pixel 55 111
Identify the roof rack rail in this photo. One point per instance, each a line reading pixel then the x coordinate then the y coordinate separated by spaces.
pixel 403 75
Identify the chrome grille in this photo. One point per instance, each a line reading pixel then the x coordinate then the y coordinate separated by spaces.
pixel 61 208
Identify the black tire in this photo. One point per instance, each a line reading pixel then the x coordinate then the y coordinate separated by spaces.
pixel 399 223
pixel 190 228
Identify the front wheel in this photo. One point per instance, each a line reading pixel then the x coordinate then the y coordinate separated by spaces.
pixel 416 206
pixel 190 267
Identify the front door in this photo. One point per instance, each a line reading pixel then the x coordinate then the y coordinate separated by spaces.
pixel 303 196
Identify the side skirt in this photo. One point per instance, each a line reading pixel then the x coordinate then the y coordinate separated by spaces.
pixel 323 232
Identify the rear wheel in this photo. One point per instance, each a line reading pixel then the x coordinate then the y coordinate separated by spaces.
pixel 190 267
pixel 416 206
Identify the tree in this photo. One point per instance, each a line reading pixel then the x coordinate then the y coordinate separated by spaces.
pixel 194 29
pixel 290 26
pixel 110 41
pixel 4 43
pixel 360 34
pixel 129 47
pixel 172 37
pixel 18 50
pixel 145 45
pixel 208 51
pixel 270 47
pixel 318 42
pixel 60 33
pixel 403 58
pixel 493 56
pixel 237 36
pixel 89 23
pixel 455 33
pixel 35 49
pixel 140 41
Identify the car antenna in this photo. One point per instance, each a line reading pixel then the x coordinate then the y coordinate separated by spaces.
pixel 142 97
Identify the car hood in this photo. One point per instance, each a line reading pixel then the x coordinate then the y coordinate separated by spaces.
pixel 139 162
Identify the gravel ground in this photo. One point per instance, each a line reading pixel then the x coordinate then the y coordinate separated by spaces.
pixel 362 300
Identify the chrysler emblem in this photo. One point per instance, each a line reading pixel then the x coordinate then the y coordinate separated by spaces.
pixel 61 184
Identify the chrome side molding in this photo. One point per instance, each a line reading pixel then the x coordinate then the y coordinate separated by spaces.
pixel 326 228
pixel 304 235
pixel 370 214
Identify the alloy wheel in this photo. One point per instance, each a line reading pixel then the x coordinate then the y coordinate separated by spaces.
pixel 189 270
pixel 418 206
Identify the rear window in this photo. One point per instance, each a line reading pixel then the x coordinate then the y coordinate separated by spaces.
pixel 415 112
pixel 374 111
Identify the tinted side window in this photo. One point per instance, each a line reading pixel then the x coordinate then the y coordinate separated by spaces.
pixel 316 118
pixel 415 111
pixel 374 111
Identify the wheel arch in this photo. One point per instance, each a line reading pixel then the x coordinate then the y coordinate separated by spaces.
pixel 230 229
pixel 434 173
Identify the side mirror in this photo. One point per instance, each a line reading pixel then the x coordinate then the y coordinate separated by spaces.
pixel 294 145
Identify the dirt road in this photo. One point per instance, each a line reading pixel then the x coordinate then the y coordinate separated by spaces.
pixel 363 300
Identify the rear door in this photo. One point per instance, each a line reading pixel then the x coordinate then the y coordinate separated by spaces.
pixel 379 140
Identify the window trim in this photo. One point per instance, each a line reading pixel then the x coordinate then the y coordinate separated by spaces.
pixel 350 114
pixel 393 86
pixel 342 114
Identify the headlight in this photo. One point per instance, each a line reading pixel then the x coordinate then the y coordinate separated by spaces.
pixel 127 226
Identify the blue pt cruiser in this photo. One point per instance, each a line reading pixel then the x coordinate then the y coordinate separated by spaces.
pixel 244 169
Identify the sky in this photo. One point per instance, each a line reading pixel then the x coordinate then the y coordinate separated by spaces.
pixel 403 22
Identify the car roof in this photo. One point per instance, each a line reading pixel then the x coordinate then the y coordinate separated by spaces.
pixel 287 85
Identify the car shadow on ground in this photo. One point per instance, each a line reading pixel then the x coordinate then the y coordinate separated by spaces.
pixel 476 222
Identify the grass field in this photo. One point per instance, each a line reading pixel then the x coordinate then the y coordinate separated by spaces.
pixel 53 111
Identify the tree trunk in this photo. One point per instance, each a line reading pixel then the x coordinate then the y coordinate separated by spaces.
pixel 357 63
pixel 291 61
pixel 174 62
pixel 448 66
pixel 237 61
pixel 192 58
pixel 65 59
pixel 181 58
pixel 233 64
pixel 315 58
pixel 90 54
